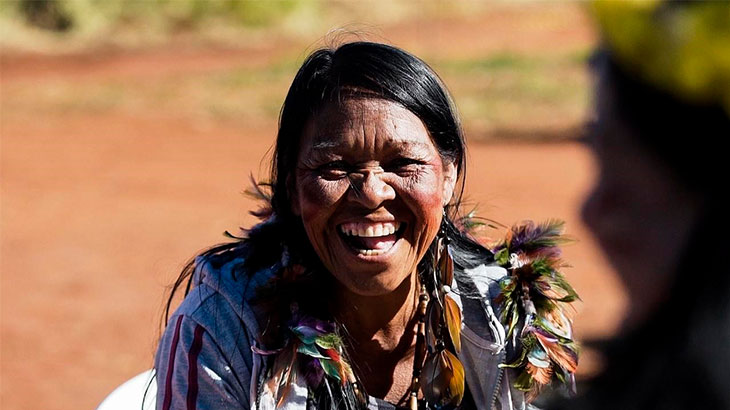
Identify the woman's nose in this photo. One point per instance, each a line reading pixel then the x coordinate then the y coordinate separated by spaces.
pixel 369 189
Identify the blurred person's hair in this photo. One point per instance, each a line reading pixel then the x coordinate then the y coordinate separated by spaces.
pixel 657 364
pixel 652 366
pixel 688 136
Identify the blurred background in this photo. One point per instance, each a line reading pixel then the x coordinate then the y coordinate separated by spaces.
pixel 129 130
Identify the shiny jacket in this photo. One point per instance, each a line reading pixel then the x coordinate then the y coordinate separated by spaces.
pixel 205 361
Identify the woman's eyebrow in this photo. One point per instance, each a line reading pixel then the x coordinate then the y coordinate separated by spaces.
pixel 324 143
pixel 414 144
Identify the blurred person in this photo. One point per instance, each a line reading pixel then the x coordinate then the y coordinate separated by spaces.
pixel 658 208
pixel 362 288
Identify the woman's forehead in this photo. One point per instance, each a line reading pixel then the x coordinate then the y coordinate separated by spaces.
pixel 335 143
pixel 370 121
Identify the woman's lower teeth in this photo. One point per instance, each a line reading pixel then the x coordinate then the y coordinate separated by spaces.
pixel 370 252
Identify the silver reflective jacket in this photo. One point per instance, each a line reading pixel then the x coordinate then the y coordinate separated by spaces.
pixel 205 361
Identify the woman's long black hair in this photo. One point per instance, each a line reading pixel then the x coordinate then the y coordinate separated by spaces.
pixel 330 75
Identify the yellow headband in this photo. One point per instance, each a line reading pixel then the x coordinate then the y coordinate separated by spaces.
pixel 683 48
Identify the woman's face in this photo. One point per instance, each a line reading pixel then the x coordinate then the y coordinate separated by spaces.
pixel 638 211
pixel 370 189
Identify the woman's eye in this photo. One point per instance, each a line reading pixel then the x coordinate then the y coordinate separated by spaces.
pixel 334 169
pixel 404 164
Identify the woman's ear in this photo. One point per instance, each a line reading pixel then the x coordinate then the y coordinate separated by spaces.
pixel 449 182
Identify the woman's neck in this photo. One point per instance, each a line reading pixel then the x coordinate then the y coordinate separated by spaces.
pixel 384 317
pixel 380 332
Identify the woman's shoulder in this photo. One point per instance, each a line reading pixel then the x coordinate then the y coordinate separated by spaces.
pixel 230 274
pixel 475 290
pixel 224 290
pixel 484 278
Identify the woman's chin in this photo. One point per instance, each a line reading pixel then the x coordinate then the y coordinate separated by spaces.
pixel 374 287
pixel 378 270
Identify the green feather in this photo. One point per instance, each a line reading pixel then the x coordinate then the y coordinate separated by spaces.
pixel 329 341
pixel 502 257
pixel 524 382
pixel 330 368
pixel 507 284
pixel 513 321
pixel 310 350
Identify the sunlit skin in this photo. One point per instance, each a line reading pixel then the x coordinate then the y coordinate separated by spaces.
pixel 638 210
pixel 371 163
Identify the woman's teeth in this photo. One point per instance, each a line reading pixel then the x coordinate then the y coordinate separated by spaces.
pixel 371 252
pixel 370 239
pixel 369 230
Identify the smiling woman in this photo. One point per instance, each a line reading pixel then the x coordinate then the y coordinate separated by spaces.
pixel 370 189
pixel 358 290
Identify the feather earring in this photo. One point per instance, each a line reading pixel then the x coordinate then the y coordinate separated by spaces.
pixel 442 375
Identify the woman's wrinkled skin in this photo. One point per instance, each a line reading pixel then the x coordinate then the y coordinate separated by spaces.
pixel 371 163
pixel 638 210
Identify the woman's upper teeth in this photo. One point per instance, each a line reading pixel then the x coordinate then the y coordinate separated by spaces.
pixel 369 229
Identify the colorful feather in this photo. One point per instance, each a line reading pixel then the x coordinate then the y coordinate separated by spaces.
pixel 534 301
pixel 446 266
pixel 541 375
pixel 561 352
pixel 442 379
pixel 282 374
pixel 452 314
pixel 530 237
pixel 314 351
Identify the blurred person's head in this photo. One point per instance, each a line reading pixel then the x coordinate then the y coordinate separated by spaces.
pixel 662 122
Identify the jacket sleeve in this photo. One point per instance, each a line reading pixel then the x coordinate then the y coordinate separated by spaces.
pixel 193 372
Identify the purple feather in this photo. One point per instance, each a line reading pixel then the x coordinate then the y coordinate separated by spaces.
pixel 530 237
pixel 320 326
pixel 305 333
pixel 312 371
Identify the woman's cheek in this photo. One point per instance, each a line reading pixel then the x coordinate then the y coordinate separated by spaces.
pixel 317 196
pixel 426 192
pixel 424 197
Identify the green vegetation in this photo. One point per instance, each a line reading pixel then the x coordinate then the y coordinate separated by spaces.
pixel 519 93
pixel 85 15
pixel 497 92
pixel 56 26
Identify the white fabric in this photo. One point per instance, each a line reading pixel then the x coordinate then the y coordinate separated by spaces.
pixel 131 394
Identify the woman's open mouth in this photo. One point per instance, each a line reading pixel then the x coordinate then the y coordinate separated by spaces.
pixel 371 238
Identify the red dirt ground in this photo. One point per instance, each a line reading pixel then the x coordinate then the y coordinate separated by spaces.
pixel 101 210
